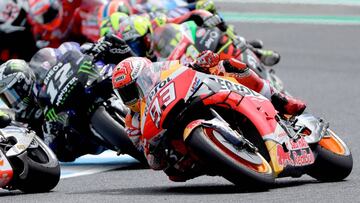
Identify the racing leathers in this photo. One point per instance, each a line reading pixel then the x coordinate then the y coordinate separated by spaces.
pixel 65 133
pixel 210 62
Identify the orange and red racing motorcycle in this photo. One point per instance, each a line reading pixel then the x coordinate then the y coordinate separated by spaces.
pixel 209 125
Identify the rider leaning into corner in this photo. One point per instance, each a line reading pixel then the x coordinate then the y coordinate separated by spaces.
pixel 127 71
pixel 20 84
pixel 140 32
pixel 57 21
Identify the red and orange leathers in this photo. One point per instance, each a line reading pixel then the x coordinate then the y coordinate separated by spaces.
pixel 246 77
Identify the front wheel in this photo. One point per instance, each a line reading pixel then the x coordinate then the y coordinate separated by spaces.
pixel 114 133
pixel 239 166
pixel 333 161
pixel 37 169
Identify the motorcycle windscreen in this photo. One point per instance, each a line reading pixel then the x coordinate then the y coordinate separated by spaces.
pixel 166 39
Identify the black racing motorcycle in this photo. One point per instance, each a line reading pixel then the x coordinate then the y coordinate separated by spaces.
pixel 77 94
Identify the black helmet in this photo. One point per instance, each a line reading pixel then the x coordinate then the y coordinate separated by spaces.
pixel 16 82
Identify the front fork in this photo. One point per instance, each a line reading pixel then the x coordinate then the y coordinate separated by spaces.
pixel 220 125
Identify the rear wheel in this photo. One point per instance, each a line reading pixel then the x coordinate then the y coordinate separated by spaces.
pixel 333 161
pixel 37 169
pixel 240 166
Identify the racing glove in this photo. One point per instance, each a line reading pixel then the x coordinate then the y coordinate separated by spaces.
pixel 206 60
pixel 215 21
pixel 110 49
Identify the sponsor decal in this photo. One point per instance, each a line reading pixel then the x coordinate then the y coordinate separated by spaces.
pixel 51 115
pixel 227 85
pixel 65 91
pixel 120 50
pixel 200 32
pixel 195 84
pixel 165 98
pixel 298 154
pixel 87 68
pixel 209 38
pixel 191 126
pixel 51 72
pixel 157 88
pixel 120 78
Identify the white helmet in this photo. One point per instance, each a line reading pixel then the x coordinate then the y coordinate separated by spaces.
pixel 13 15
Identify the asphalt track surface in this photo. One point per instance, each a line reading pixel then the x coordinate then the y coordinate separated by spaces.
pixel 320 63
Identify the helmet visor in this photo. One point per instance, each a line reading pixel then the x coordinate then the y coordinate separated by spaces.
pixel 138 46
pixel 10 97
pixel 129 94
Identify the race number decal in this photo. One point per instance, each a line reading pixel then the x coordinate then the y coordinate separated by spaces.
pixel 56 79
pixel 164 98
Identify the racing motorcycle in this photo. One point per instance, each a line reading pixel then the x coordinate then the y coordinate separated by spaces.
pixel 78 95
pixel 211 125
pixel 185 41
pixel 26 162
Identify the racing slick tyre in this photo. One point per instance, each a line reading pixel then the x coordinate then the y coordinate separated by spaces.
pixel 37 169
pixel 333 159
pixel 230 162
pixel 114 133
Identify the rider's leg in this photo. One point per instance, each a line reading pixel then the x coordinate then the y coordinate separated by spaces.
pixel 283 103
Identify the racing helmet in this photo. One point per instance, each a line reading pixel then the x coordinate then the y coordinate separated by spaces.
pixel 112 23
pixel 16 83
pixel 13 15
pixel 136 30
pixel 114 6
pixel 124 79
pixel 47 13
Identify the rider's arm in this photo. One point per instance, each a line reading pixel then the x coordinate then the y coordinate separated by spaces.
pixel 132 124
pixel 109 49
pixel 201 18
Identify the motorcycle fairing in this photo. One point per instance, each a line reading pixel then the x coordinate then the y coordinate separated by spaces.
pixel 286 152
pixel 182 83
pixel 6 171
pixel 163 96
pixel 283 150
pixel 23 139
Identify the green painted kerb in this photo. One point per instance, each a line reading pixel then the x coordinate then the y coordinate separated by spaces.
pixel 284 18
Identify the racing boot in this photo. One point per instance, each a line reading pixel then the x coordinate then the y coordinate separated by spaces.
pixel 256 43
pixel 287 105
pixel 268 57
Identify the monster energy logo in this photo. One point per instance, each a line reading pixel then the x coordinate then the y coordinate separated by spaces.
pixel 87 68
pixel 51 115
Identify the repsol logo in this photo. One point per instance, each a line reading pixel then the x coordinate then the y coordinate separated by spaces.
pixel 157 88
pixel 227 85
